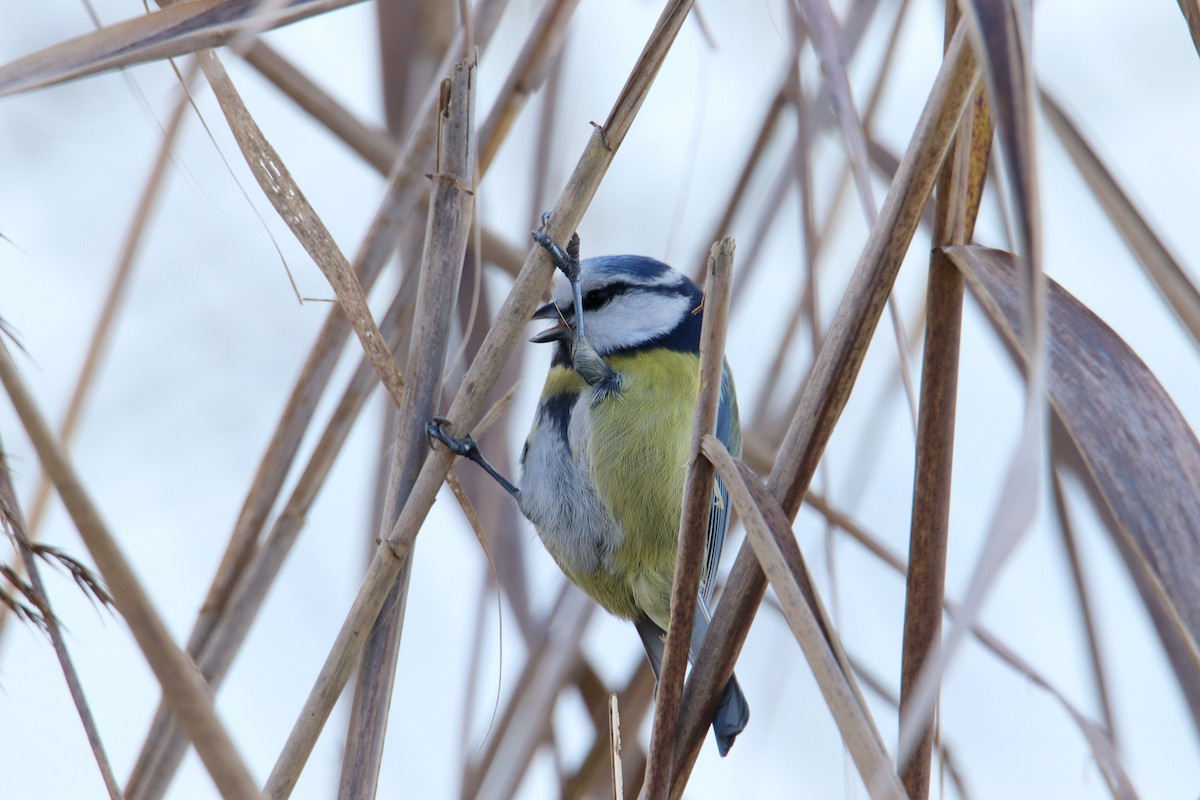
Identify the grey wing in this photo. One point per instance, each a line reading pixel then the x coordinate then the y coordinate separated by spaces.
pixel 729 433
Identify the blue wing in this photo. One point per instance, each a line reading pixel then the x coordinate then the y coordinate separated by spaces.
pixel 730 434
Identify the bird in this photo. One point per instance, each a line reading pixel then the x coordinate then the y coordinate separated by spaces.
pixel 603 467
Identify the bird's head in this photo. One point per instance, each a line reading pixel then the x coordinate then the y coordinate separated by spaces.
pixel 628 301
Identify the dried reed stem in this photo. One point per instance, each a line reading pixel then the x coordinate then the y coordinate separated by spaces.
pixel 828 388
pixel 959 192
pixel 501 339
pixel 449 222
pixel 694 520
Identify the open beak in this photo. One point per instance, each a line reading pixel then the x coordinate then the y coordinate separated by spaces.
pixel 561 330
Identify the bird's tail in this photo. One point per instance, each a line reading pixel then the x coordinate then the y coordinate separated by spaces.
pixel 733 712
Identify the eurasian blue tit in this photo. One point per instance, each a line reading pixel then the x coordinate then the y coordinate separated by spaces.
pixel 603 469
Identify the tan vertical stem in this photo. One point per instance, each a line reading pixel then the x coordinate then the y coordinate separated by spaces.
pixel 447 228
pixel 693 522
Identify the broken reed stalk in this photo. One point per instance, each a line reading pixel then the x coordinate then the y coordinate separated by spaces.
pixel 959 191
pixel 184 690
pixel 501 339
pixel 828 388
pixel 18 531
pixel 694 520
pixel 448 225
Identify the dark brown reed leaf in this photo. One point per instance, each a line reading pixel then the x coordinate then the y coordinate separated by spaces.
pixel 1139 450
pixel 185 28
pixel 1167 274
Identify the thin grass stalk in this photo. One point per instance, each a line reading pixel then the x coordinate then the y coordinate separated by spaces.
pixel 769 533
pixel 1097 739
pixel 828 41
pixel 956 207
pixel 828 388
pixel 694 519
pixel 499 344
pixel 376 146
pixel 475 772
pixel 446 234
pixel 183 688
pixel 772 429
pixel 165 746
pixel 1062 449
pixel 14 520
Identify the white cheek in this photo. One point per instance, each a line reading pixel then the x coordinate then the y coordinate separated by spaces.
pixel 634 318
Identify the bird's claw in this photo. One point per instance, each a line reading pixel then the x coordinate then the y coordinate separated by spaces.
pixel 566 260
pixel 435 429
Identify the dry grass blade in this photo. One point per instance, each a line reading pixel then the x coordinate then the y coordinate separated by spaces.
pixel 185 28
pixel 694 519
pixel 183 688
pixel 295 210
pixel 448 224
pixel 13 522
pixel 1165 271
pixel 376 146
pixel 1138 448
pixel 828 389
pixel 770 534
pixel 497 346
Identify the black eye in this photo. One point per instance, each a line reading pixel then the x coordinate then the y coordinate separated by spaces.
pixel 598 297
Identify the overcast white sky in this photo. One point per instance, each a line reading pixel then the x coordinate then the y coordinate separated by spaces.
pixel 211 339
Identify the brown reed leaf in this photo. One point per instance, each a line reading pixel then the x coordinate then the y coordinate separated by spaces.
pixel 1139 450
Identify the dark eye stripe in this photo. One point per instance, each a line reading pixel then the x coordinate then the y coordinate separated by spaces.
pixel 597 298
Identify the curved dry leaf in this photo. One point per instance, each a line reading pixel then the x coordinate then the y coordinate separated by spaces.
pixel 1139 450
pixel 171 32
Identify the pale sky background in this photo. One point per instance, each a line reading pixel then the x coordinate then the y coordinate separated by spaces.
pixel 212 337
